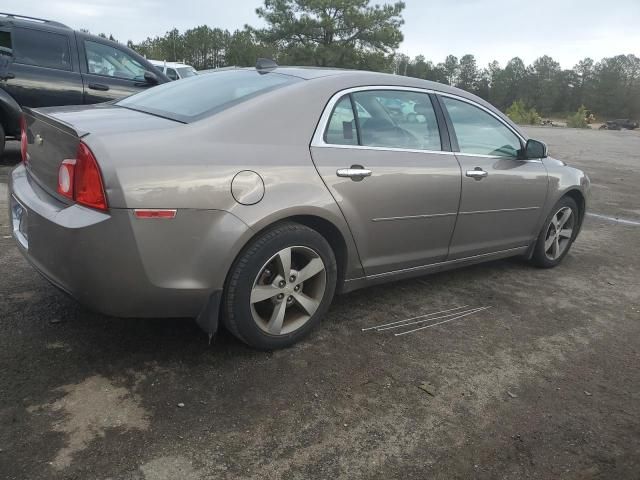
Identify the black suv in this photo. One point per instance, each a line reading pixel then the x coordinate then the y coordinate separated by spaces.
pixel 45 63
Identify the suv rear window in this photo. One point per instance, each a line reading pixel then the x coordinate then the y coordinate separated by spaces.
pixel 42 49
pixel 203 95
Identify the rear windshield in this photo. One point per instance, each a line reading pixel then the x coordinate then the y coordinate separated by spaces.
pixel 203 95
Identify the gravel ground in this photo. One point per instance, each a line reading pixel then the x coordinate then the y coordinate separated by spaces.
pixel 545 384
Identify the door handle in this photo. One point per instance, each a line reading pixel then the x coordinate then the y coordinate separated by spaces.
pixel 355 172
pixel 98 86
pixel 477 173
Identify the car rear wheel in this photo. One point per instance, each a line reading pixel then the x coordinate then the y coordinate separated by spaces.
pixel 280 287
pixel 557 234
pixel 2 140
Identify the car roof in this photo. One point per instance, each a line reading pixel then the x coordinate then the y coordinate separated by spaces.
pixel 31 22
pixel 342 79
pixel 365 78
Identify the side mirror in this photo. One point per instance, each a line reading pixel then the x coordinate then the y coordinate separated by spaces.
pixel 535 149
pixel 151 78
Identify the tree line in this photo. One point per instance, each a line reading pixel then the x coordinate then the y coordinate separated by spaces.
pixel 609 88
pixel 357 34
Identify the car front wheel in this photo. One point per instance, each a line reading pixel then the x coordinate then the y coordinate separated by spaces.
pixel 280 287
pixel 557 234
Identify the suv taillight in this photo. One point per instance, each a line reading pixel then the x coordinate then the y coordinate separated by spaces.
pixel 79 179
pixel 23 138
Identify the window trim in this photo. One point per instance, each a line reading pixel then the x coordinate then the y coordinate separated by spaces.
pixel 318 136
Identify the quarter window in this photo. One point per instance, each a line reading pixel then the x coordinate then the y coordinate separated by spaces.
pixel 385 118
pixel 42 49
pixel 112 62
pixel 480 133
pixel 342 125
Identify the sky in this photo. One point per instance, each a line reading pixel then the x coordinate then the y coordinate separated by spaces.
pixel 567 30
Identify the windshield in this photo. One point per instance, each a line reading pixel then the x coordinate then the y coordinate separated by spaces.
pixel 204 95
pixel 187 72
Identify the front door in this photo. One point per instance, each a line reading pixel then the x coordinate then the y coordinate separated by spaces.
pixel 109 73
pixel 380 154
pixel 502 195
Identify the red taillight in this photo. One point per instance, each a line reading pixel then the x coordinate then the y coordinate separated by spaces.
pixel 88 186
pixel 23 138
pixel 79 179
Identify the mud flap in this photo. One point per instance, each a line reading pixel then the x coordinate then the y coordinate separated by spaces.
pixel 208 319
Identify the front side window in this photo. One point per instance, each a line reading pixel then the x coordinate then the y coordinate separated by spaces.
pixel 187 72
pixel 42 49
pixel 112 62
pixel 204 95
pixel 385 118
pixel 171 73
pixel 480 133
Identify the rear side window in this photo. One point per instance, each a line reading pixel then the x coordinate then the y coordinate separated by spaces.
pixel 397 119
pixel 43 49
pixel 385 118
pixel 204 95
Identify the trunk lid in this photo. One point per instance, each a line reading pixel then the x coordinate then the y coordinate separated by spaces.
pixel 53 135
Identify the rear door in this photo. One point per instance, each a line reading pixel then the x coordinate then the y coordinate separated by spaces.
pixel 502 195
pixel 403 213
pixel 44 71
pixel 109 72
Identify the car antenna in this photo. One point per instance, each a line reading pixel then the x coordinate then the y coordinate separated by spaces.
pixel 265 65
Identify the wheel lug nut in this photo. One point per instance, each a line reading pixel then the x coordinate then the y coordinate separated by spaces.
pixel 290 298
pixel 292 278
pixel 280 296
pixel 282 283
pixel 296 288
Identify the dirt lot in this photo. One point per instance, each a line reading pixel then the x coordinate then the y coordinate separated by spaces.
pixel 545 384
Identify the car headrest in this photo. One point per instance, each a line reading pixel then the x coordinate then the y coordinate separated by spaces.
pixel 422 109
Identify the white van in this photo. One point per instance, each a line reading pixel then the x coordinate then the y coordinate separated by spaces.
pixel 174 70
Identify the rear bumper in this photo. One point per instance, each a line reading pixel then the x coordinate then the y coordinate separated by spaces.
pixel 122 266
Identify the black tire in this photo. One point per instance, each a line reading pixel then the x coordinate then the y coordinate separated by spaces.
pixel 237 311
pixel 540 258
pixel 2 140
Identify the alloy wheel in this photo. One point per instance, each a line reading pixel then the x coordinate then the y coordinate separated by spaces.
pixel 559 233
pixel 288 290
